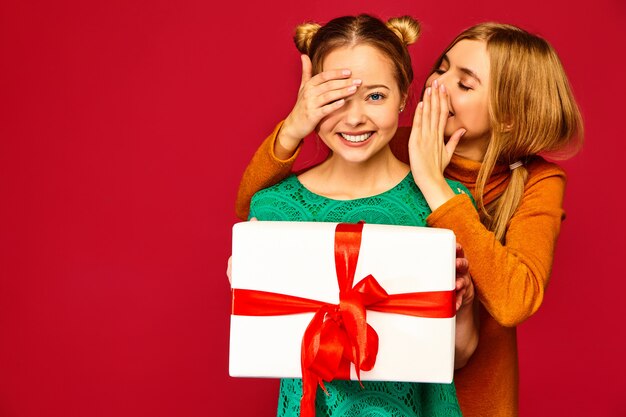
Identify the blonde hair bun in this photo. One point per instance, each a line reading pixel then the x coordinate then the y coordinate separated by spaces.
pixel 407 28
pixel 304 35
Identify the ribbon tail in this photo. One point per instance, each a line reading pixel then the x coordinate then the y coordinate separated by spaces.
pixel 311 341
pixel 309 388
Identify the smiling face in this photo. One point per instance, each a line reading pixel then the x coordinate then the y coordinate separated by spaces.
pixel 365 124
pixel 465 71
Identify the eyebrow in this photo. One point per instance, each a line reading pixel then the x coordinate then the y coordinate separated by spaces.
pixel 464 70
pixel 370 87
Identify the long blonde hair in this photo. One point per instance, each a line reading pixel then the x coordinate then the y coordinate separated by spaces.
pixel 532 111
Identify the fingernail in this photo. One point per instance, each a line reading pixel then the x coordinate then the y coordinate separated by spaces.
pixel 420 104
pixel 346 72
pixel 428 91
pixel 442 88
pixel 463 132
pixel 352 89
pixel 435 84
pixel 357 82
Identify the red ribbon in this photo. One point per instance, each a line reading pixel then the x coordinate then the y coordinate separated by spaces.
pixel 339 335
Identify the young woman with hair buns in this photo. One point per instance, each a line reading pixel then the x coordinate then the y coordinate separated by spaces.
pixel 355 113
pixel 497 98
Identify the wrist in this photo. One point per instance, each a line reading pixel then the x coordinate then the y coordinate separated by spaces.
pixel 286 143
pixel 436 191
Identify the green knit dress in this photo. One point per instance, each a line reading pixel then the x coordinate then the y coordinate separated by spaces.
pixel 404 205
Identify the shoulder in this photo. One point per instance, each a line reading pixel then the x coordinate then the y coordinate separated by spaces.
pixel 278 194
pixel 544 190
pixel 545 185
pixel 540 170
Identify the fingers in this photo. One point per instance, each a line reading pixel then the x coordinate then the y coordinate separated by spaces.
pixel 463 279
pixel 229 270
pixel 307 69
pixel 460 253
pixel 416 131
pixel 329 108
pixel 428 153
pixel 461 289
pixel 332 91
pixel 464 290
pixel 435 110
pixel 462 266
pixel 432 124
pixel 454 140
pixel 327 92
pixel 417 118
pixel 326 87
pixel 443 109
pixel 426 104
pixel 463 285
pixel 318 96
pixel 330 75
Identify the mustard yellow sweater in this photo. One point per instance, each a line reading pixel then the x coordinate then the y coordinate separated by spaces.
pixel 510 279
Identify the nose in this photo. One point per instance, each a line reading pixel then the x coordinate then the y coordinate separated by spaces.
pixel 354 113
pixel 442 79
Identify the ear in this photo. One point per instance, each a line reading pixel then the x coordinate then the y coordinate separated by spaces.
pixel 506 127
pixel 403 102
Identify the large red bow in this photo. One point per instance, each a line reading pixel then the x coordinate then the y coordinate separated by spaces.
pixel 339 335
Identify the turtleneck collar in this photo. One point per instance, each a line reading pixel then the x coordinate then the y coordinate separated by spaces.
pixel 466 171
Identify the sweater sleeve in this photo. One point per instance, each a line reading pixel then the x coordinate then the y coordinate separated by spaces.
pixel 510 279
pixel 264 170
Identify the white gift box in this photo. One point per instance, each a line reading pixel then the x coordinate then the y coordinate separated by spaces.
pixel 297 258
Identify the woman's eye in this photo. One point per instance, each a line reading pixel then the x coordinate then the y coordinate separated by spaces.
pixel 439 71
pixel 464 87
pixel 376 96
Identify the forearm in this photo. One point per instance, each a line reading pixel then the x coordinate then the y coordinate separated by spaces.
pixel 510 280
pixel 265 169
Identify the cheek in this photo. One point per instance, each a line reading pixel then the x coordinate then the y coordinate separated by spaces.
pixel 323 135
pixel 385 114
pixel 473 111
pixel 326 125
pixel 387 118
pixel 481 115
pixel 477 122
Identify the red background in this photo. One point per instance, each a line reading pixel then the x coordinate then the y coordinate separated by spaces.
pixel 124 129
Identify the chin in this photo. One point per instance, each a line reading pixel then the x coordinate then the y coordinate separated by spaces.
pixel 354 159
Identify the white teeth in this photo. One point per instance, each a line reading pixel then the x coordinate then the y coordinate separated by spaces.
pixel 356 138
